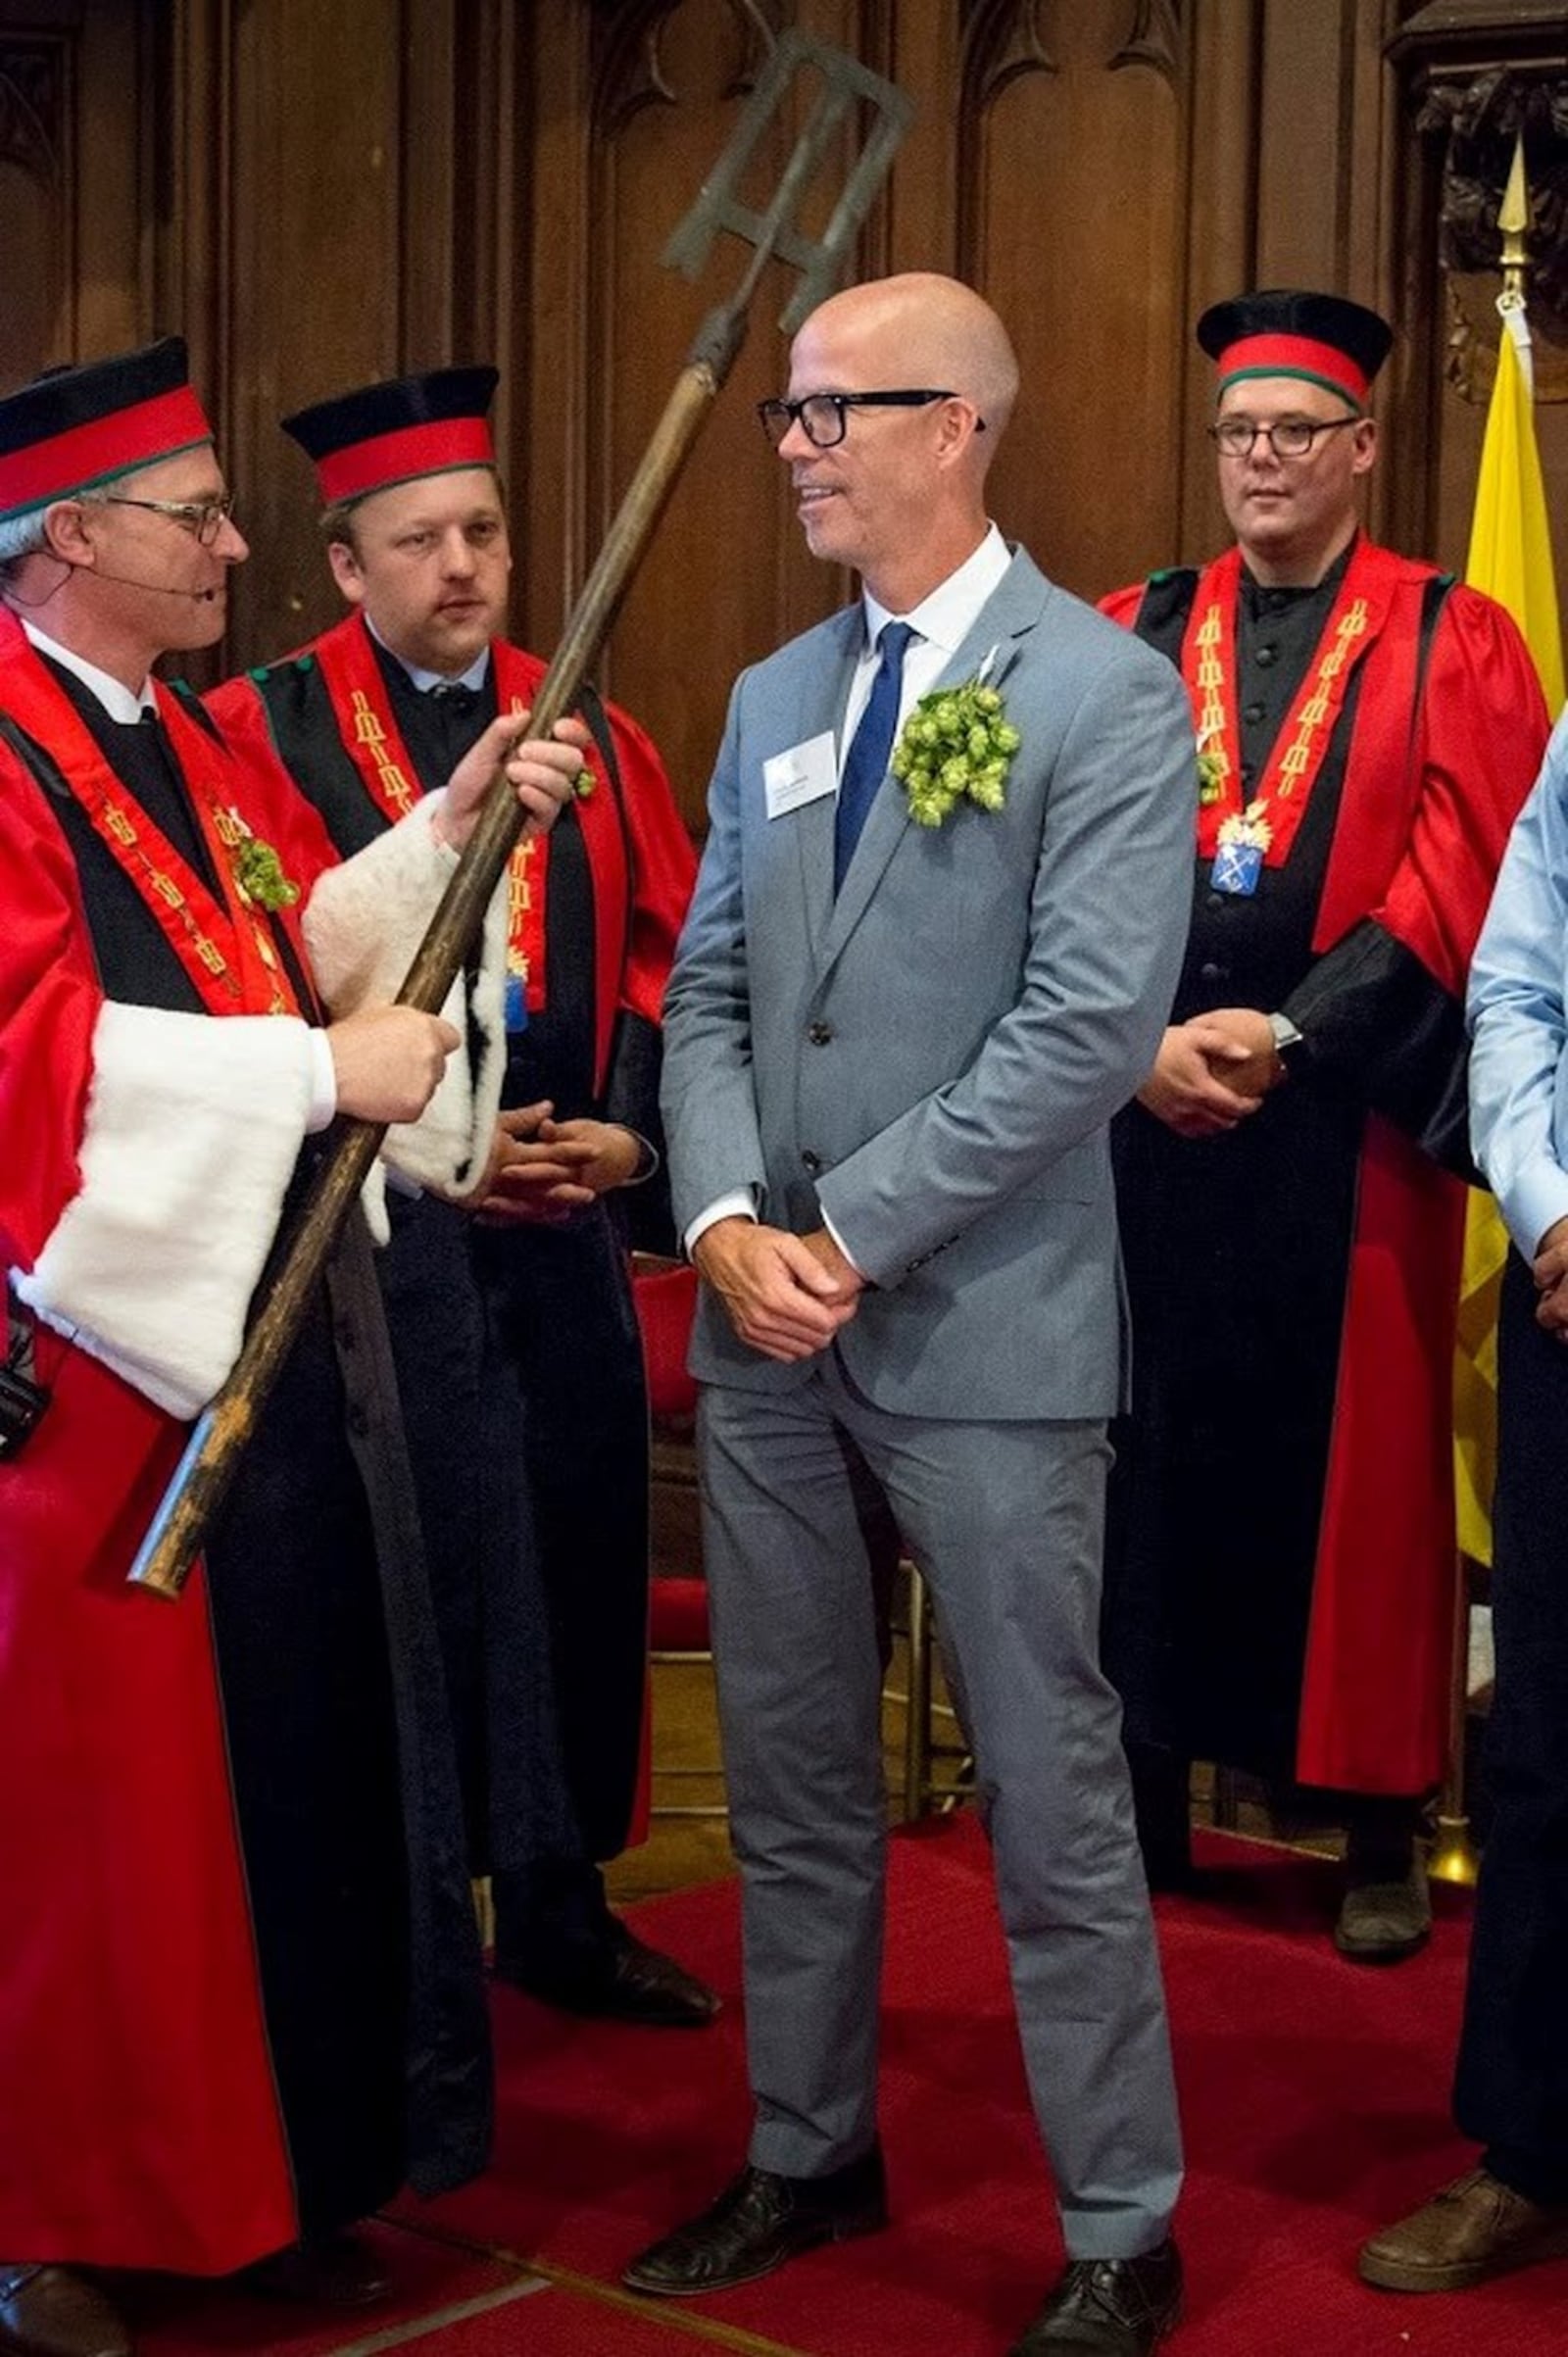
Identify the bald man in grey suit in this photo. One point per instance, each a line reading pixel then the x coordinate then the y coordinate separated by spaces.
pixel 892 1051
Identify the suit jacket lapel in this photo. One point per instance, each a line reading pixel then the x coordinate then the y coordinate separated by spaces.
pixel 1003 621
pixel 822 711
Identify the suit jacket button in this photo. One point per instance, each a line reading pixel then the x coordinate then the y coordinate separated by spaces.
pixel 812 1161
pixel 819 1034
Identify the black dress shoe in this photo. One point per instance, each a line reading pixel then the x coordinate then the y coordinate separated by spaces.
pixel 333 2271
pixel 617 1977
pixel 50 2312
pixel 1109 2308
pixel 759 2221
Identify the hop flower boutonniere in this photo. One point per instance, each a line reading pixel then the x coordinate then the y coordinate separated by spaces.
pixel 1210 779
pixel 957 743
pixel 258 874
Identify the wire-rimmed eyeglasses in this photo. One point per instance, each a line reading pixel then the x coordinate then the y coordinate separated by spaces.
pixel 1286 438
pixel 205 517
pixel 823 416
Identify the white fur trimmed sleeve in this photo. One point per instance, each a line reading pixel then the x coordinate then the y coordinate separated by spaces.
pixel 192 1130
pixel 363 923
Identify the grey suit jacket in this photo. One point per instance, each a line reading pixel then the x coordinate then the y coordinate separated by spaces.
pixel 933 1057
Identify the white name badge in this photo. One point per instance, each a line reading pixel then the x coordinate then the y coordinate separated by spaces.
pixel 803 774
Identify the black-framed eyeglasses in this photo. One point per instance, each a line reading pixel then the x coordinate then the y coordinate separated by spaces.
pixel 823 416
pixel 1290 438
pixel 205 517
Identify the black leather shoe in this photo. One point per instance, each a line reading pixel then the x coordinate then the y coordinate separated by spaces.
pixel 1109 2308
pixel 51 2312
pixel 617 1978
pixel 759 2221
pixel 335 2271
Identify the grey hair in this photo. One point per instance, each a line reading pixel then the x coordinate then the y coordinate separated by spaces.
pixel 21 536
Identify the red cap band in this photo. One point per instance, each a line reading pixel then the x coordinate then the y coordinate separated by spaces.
pixel 97 452
pixel 1295 356
pixel 398 458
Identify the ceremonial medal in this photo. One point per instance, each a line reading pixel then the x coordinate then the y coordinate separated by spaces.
pixel 1239 857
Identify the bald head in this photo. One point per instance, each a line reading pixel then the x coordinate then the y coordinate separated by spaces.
pixel 899 493
pixel 943 333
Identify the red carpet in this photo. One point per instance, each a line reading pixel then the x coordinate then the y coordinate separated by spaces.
pixel 1315 2102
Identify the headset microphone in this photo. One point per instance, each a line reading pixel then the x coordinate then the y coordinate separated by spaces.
pixel 200 597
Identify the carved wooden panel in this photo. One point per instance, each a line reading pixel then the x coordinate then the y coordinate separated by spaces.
pixel 1071 202
pixel 73 182
pixel 1470 78
pixel 318 195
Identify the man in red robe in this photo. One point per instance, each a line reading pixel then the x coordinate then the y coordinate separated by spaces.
pixel 1280 1572
pixel 539 1548
pixel 239 2002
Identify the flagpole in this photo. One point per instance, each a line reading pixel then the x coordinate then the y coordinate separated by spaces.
pixel 1454 1856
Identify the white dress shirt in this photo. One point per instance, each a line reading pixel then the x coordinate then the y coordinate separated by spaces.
pixel 940 623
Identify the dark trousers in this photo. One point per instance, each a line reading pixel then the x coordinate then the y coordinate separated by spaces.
pixel 1512 2084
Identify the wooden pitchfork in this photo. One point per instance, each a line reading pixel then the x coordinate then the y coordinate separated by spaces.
pixel 221 1433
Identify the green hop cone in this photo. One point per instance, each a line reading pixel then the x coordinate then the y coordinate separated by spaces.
pixel 955 745
pixel 258 874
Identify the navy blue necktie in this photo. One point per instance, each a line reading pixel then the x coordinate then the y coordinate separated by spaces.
pixel 866 765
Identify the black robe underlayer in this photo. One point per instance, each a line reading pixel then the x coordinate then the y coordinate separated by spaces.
pixel 329 1672
pixel 1237 1251
pixel 539 1541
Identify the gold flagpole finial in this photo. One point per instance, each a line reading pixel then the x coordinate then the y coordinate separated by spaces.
pixel 1513 220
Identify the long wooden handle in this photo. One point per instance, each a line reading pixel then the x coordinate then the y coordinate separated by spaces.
pixel 219 1438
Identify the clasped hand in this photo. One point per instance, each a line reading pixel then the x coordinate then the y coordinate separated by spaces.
pixel 787 1296
pixel 1212 1071
pixel 1550 1268
pixel 543 772
pixel 541 1170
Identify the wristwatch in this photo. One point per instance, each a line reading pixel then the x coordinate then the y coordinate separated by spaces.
pixel 1288 1042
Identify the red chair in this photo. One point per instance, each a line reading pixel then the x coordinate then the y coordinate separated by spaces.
pixel 665 1297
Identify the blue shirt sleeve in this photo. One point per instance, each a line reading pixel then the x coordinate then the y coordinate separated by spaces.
pixel 1517 1015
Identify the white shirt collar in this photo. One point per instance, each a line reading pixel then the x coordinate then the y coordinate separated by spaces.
pixel 475 676
pixel 118 700
pixel 946 617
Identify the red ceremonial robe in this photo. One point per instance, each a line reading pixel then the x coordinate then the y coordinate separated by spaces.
pixel 561 1295
pixel 140 2099
pixel 141 2125
pixel 1428 797
pixel 639 903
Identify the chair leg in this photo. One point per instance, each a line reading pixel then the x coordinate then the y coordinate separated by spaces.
pixel 1227 1811
pixel 917 1716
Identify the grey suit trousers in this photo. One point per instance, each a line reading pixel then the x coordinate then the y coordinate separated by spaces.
pixel 1006 1521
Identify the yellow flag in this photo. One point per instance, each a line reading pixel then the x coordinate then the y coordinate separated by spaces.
pixel 1510 559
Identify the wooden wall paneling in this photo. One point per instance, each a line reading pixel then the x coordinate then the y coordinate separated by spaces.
pixel 441 138
pixel 727 576
pixel 1302 163
pixel 191 259
pixel 546 351
pixel 1070 205
pixel 1492 63
pixel 924 56
pixel 113 298
pixel 75 180
pixel 1220 254
pixel 38 151
pixel 1326 133
pixel 314 269
pixel 708 598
